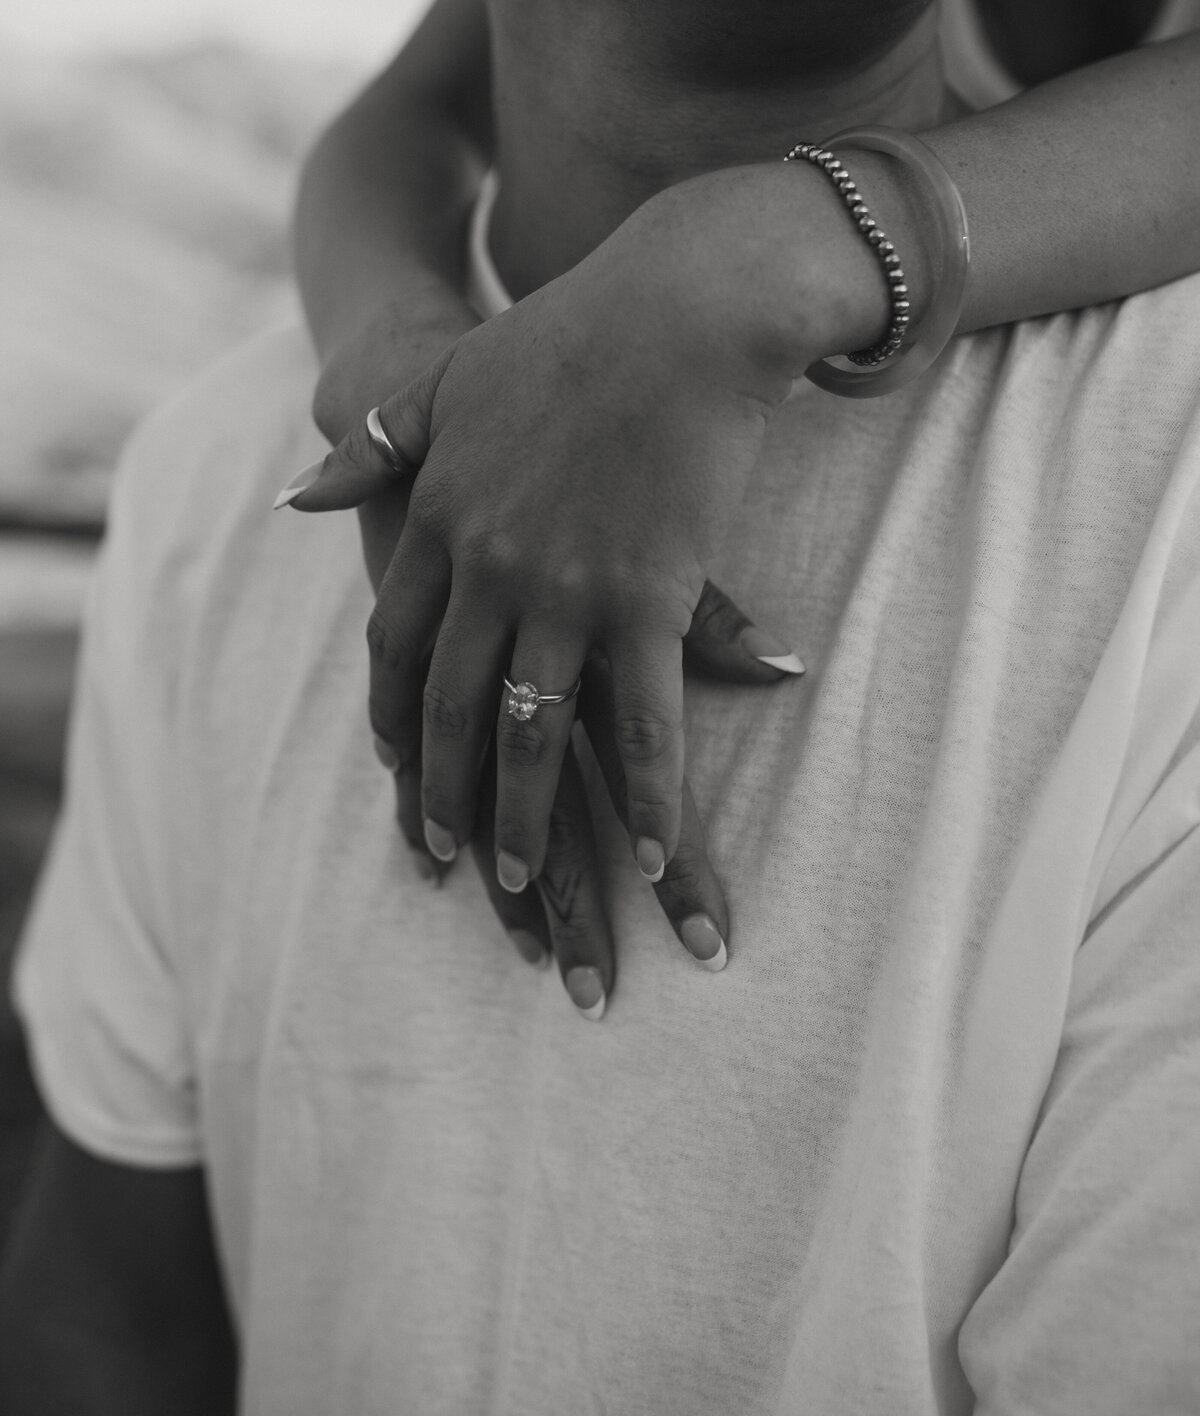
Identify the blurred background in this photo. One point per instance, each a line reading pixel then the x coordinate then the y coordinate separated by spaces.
pixel 148 155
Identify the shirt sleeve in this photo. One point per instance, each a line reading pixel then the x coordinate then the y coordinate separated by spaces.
pixel 1097 1305
pixel 95 982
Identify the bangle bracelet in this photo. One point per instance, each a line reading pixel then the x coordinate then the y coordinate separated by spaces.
pixel 905 350
pixel 884 251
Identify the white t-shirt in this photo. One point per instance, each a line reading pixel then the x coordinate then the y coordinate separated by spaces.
pixel 932 1140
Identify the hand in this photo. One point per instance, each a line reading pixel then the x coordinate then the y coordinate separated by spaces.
pixel 581 457
pixel 395 347
pixel 561 914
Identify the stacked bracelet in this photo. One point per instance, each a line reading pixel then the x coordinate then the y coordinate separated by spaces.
pixel 879 243
pixel 905 350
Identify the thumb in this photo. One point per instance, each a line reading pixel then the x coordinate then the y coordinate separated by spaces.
pixel 724 644
pixel 369 459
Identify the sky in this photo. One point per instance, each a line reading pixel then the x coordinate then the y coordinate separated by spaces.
pixel 356 30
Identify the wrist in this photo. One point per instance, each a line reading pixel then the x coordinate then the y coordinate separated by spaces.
pixel 787 274
pixel 382 354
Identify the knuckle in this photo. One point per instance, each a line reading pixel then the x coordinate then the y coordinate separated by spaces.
pixel 426 510
pixel 573 938
pixel 642 738
pixel 490 552
pixel 359 448
pixel 521 744
pixel 444 717
pixel 385 645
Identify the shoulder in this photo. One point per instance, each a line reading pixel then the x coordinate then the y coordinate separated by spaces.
pixel 1117 385
pixel 222 440
pixel 191 514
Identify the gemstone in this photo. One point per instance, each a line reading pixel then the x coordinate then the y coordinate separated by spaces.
pixel 523 701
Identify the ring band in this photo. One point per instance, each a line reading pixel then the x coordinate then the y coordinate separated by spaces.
pixel 375 431
pixel 524 700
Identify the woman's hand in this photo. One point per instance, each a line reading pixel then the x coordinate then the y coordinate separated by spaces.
pixel 388 352
pixel 581 456
pixel 561 914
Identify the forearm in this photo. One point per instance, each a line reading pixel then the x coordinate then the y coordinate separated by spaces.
pixel 1083 190
pixel 384 194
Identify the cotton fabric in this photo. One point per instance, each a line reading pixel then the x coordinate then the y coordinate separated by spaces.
pixel 931 1143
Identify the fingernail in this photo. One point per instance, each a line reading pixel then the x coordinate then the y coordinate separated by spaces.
pixel 768 650
pixel 512 872
pixel 703 941
pixel 651 859
pixel 529 946
pixel 440 841
pixel 299 483
pixel 587 992
pixel 386 754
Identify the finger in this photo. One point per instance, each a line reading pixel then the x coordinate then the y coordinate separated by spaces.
pixel 531 739
pixel 690 893
pixel 647 683
pixel 373 456
pixel 400 635
pixel 521 915
pixel 458 715
pixel 381 522
pixel 569 886
pixel 724 643
pixel 691 896
pixel 407 783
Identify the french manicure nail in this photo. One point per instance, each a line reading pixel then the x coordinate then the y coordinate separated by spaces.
pixel 651 859
pixel 768 650
pixel 299 483
pixel 529 946
pixel 440 841
pixel 586 989
pixel 386 754
pixel 703 941
pixel 512 872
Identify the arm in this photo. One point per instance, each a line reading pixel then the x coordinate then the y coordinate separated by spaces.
pixel 602 527
pixel 1083 189
pixel 110 1297
pixel 379 219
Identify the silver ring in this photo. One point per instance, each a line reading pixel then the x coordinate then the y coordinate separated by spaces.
pixel 375 431
pixel 524 700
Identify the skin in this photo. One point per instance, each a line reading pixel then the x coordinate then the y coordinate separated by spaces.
pixel 1037 41
pixel 112 1301
pixel 773 242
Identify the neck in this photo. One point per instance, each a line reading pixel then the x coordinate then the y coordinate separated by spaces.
pixel 595 113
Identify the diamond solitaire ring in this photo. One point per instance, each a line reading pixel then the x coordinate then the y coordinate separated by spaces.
pixel 524 700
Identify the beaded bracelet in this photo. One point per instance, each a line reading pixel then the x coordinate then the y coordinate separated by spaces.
pixel 879 243
pixel 904 351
